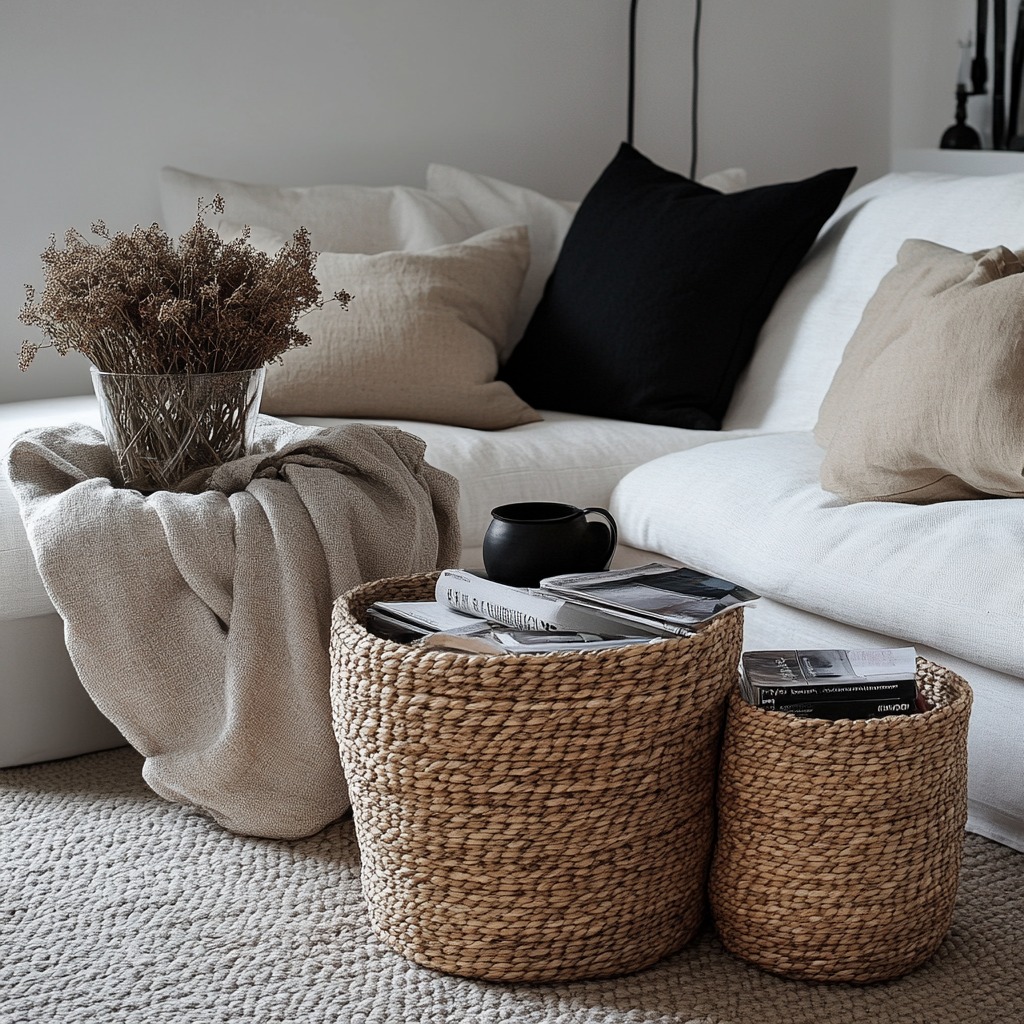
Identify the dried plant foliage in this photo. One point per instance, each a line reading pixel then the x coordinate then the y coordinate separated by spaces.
pixel 139 303
pixel 170 316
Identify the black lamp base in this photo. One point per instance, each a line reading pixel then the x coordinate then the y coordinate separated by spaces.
pixel 961 135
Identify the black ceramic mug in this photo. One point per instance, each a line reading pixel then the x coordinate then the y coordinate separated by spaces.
pixel 529 540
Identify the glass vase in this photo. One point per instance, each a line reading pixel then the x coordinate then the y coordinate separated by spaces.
pixel 163 427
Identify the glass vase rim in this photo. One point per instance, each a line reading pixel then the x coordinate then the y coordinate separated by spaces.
pixel 97 372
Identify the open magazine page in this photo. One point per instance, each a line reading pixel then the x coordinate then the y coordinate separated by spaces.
pixel 660 592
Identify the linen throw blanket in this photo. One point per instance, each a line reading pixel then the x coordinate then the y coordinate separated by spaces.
pixel 198 620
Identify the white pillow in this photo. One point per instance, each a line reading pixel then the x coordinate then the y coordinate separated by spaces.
pixel 340 218
pixel 802 341
pixel 732 179
pixel 496 203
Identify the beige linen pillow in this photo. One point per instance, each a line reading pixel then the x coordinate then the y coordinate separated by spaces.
pixel 419 341
pixel 928 401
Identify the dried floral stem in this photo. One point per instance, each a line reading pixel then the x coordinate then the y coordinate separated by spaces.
pixel 136 303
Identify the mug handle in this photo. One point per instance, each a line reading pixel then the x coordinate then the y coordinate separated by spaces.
pixel 613 529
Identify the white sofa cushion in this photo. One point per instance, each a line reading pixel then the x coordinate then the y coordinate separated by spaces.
pixel 564 457
pixel 802 341
pixel 340 218
pixel 577 459
pixel 752 510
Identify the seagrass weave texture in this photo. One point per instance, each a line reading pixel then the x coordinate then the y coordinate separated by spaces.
pixel 839 843
pixel 531 817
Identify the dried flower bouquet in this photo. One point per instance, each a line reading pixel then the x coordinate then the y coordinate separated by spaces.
pixel 170 316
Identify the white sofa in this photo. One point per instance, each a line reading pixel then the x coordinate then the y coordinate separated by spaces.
pixel 744 502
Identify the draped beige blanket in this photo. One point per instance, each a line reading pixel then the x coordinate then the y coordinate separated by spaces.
pixel 198 622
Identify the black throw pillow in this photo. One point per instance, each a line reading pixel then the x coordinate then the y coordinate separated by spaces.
pixel 660 290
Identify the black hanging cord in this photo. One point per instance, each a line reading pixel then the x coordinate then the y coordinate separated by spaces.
pixel 693 92
pixel 696 78
pixel 632 70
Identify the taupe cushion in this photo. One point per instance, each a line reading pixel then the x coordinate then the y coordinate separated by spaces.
pixel 928 402
pixel 419 341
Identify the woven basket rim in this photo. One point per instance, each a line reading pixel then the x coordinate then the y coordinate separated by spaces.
pixel 346 620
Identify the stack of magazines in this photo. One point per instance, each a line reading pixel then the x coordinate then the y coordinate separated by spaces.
pixel 832 684
pixel 587 611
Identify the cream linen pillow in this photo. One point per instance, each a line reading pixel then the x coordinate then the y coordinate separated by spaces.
pixel 928 401
pixel 419 340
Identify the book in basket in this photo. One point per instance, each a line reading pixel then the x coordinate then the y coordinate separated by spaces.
pixel 670 597
pixel 870 682
pixel 850 708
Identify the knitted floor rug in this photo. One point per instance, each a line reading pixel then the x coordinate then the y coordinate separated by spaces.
pixel 119 906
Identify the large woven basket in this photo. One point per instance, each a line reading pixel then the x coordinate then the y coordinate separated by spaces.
pixel 839 843
pixel 531 817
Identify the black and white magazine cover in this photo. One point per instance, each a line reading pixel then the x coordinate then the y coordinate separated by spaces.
pixel 660 592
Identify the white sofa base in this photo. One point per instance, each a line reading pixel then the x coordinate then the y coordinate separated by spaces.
pixel 46 712
pixel 48 715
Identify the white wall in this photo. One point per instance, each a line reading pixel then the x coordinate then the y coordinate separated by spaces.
pixel 96 95
pixel 925 60
pixel 788 87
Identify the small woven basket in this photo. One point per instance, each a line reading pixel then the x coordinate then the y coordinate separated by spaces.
pixel 839 843
pixel 531 817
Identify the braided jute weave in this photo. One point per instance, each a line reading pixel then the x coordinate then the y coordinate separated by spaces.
pixel 839 843
pixel 531 817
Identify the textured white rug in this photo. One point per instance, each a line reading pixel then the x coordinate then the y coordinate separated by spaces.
pixel 118 906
